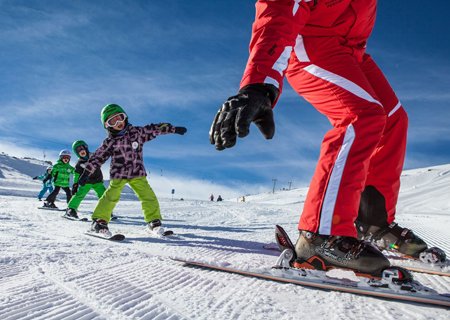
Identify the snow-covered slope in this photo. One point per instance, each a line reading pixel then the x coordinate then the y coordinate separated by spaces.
pixel 16 175
pixel 50 270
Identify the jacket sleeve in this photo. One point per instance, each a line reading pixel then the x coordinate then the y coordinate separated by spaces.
pixel 151 131
pixel 100 156
pixel 78 171
pixel 76 177
pixel 274 32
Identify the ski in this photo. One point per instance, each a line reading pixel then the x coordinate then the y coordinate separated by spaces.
pixel 388 288
pixel 51 209
pixel 160 233
pixel 75 219
pixel 114 237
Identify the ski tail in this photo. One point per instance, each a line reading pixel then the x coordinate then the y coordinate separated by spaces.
pixel 283 240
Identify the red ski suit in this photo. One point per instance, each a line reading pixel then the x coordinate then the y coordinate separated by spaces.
pixel 320 45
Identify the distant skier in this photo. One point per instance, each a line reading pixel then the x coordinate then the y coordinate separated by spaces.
pixel 211 197
pixel 219 198
pixel 61 173
pixel 321 48
pixel 95 180
pixel 47 182
pixel 124 145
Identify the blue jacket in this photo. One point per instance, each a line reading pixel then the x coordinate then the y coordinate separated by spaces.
pixel 46 179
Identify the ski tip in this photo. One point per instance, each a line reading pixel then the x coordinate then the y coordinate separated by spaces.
pixel 117 237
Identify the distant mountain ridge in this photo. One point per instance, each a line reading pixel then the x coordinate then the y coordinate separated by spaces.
pixel 27 166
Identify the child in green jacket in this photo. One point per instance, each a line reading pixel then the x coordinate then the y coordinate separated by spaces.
pixel 95 181
pixel 61 176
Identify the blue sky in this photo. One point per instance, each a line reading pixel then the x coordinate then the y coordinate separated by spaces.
pixel 177 61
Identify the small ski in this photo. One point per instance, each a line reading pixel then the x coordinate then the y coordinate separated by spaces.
pixel 51 209
pixel 75 219
pixel 114 237
pixel 402 292
pixel 157 233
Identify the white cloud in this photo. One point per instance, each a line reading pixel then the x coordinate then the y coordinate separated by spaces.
pixel 14 148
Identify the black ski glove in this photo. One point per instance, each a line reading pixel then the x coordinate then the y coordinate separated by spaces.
pixel 253 103
pixel 180 130
pixel 75 188
pixel 35 178
pixel 82 180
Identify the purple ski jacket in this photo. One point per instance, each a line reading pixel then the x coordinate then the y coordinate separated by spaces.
pixel 126 151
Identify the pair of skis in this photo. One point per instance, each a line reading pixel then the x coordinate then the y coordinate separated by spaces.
pixel 395 284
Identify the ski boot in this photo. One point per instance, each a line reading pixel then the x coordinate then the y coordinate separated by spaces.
pixel 313 251
pixel 100 226
pixel 50 205
pixel 154 228
pixel 393 238
pixel 323 252
pixel 72 213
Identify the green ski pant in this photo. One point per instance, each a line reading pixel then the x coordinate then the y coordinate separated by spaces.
pixel 76 199
pixel 140 186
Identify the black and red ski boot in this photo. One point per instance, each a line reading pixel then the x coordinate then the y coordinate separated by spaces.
pixel 322 252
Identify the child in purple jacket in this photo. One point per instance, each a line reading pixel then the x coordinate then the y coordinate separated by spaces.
pixel 124 145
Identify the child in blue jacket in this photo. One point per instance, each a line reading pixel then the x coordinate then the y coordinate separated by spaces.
pixel 47 182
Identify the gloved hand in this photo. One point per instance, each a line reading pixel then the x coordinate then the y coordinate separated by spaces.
pixel 35 178
pixel 253 103
pixel 82 180
pixel 180 130
pixel 74 188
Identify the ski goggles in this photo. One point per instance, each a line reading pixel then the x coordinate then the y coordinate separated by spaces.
pixel 115 120
pixel 65 158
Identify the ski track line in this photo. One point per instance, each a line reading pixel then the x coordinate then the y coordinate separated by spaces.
pixel 438 283
pixel 44 299
pixel 167 279
pixel 121 297
pixel 172 282
pixel 43 306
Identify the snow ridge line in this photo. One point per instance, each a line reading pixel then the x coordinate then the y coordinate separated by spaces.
pixel 72 292
pixel 131 297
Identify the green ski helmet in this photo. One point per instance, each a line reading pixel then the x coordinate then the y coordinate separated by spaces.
pixel 77 144
pixel 109 110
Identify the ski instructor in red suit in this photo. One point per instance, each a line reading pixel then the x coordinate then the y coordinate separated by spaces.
pixel 320 46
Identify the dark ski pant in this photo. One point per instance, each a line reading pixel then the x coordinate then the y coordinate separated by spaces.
pixel 52 196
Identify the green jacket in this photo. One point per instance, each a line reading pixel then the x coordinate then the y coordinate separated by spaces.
pixel 61 173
